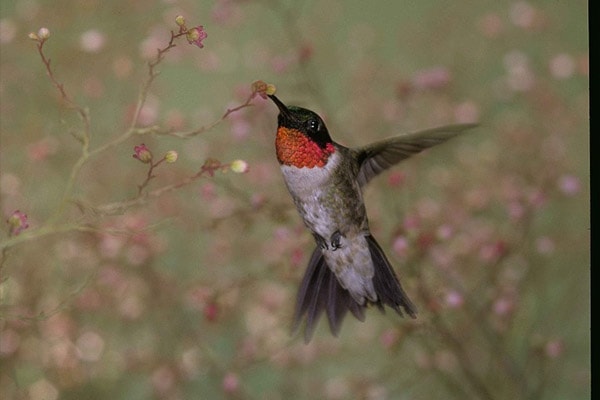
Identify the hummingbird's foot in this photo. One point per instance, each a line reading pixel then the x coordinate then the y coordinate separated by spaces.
pixel 336 240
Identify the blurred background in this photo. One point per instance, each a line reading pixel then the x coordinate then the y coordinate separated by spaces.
pixel 189 293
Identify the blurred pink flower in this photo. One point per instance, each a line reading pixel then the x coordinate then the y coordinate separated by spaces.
pixel 389 338
pixel 444 232
pixel 211 311
pixel 411 222
pixel 491 25
pixel 226 12
pixel 569 184
pixel 90 346
pixel 17 222
pixel 297 258
pixel 231 382
pixel 142 153
pixel 425 240
pixel 431 78
pixel 454 299
pixel 92 41
pixel 545 245
pixel 554 348
pixel 562 66
pixel 163 379
pixel 396 178
pixel 523 15
pixel 503 306
pixel 305 52
pixel 491 252
pixel 400 246
pixel 196 36
pixel 42 149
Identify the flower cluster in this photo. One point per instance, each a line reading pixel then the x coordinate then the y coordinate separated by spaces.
pixel 193 35
pixel 42 35
pixel 263 89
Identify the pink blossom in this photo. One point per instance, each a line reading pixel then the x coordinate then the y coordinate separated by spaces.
pixel 396 178
pixel 231 383
pixel 400 246
pixel 92 41
pixel 389 338
pixel 142 153
pixel 554 348
pixel 545 245
pixel 196 36
pixel 163 379
pixel 454 299
pixel 432 78
pixel 17 222
pixel 569 185
pixel 211 311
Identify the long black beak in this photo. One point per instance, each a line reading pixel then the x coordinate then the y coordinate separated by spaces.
pixel 285 112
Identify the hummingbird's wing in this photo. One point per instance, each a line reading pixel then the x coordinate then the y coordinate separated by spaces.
pixel 379 156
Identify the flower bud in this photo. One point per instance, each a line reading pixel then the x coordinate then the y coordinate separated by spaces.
pixel 179 20
pixel 44 33
pixel 239 166
pixel 171 156
pixel 142 153
pixel 271 89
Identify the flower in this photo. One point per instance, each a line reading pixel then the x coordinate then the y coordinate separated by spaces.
pixel 17 222
pixel 171 156
pixel 179 20
pixel 239 166
pixel 196 36
pixel 43 33
pixel 263 89
pixel 569 184
pixel 142 153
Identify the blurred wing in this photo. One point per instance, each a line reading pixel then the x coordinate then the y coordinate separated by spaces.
pixel 379 156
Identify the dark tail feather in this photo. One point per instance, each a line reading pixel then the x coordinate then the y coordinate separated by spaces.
pixel 320 291
pixel 387 286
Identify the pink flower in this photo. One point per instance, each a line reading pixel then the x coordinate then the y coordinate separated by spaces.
pixel 211 311
pixel 17 222
pixel 569 185
pixel 142 153
pixel 432 78
pixel 454 299
pixel 196 36
pixel 231 383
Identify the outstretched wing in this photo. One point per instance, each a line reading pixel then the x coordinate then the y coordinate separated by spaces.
pixel 379 156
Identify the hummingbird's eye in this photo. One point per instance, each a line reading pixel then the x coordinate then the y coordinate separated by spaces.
pixel 313 125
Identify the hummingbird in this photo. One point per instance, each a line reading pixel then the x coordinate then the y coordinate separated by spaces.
pixel 348 270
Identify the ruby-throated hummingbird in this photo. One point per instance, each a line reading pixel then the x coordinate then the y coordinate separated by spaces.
pixel 348 270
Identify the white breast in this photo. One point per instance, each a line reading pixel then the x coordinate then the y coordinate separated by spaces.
pixel 302 182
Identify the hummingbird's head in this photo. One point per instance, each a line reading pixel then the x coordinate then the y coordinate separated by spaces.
pixel 302 137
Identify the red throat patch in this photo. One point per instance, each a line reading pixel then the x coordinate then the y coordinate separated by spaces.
pixel 295 149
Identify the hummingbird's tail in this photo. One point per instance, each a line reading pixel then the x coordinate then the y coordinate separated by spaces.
pixel 321 291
